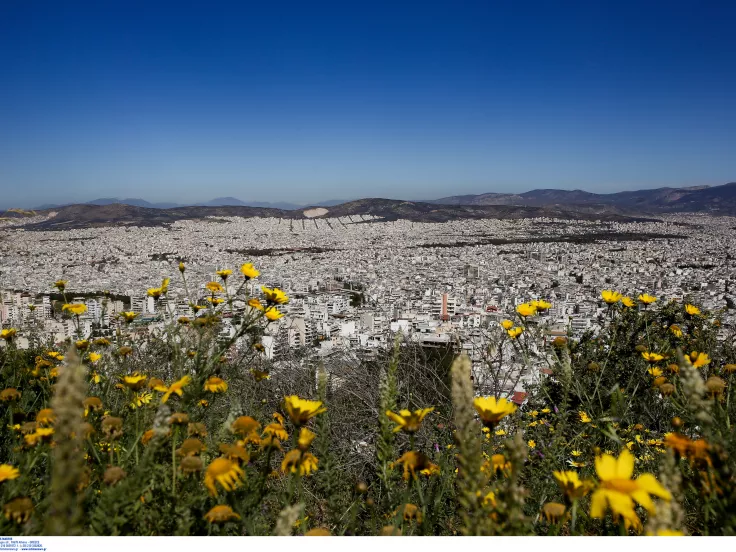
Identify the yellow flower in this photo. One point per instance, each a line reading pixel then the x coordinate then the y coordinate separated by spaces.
pixel 647 299
pixel 692 310
pixel 260 375
pixel 526 309
pixel 215 385
pixel 75 308
pixel 541 305
pixel 128 316
pixel 531 444
pixel 155 292
pixel 507 324
pixel 94 357
pixel 699 359
pixel 182 267
pixel 60 284
pixel 135 381
pixel 55 355
pixel 140 399
pixel 305 439
pixel 655 372
pixel 235 452
pixel 318 532
pixel 676 331
pixel 91 403
pixel 576 453
pixel 224 472
pixel 499 432
pixel 176 387
pixel 41 433
pixel 492 411
pixel 416 462
pixel 408 512
pixel 10 394
pixel 8 334
pixel 245 425
pixel 18 510
pixel 255 304
pixel 191 447
pixel 627 302
pixel 298 461
pixel 302 410
pixel 45 416
pixel 216 300
pixel 409 422
pixel 8 472
pixel 652 357
pixel 221 514
pixel 224 273
pixel 553 511
pixel 514 332
pixel 272 313
pixel 277 430
pixel 249 271
pixel 274 295
pixel 610 296
pixel 214 287
pixel 571 485
pixel 499 463
pixel 584 418
pixel 618 491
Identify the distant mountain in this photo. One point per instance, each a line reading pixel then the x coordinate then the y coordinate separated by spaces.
pixel 719 200
pixel 331 202
pixel 712 199
pixel 217 202
pixel 117 214
pixel 132 201
pixel 232 201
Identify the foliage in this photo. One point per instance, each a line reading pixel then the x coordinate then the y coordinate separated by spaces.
pixel 185 431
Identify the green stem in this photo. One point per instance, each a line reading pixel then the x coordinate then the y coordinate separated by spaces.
pixel 136 432
pixel 173 461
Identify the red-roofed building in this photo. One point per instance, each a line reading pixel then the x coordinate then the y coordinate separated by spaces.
pixel 518 398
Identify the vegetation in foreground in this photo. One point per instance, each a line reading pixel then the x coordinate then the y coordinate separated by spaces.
pixel 179 433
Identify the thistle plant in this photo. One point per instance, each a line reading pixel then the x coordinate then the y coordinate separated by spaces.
pixel 66 514
pixel 470 479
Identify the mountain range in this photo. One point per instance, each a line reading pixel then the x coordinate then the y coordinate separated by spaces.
pixel 548 203
pixel 217 202
pixel 711 199
pixel 714 199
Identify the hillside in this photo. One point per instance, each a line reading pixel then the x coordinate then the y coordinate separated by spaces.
pixel 715 199
pixel 86 215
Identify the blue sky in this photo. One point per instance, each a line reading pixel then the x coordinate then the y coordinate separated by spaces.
pixel 308 101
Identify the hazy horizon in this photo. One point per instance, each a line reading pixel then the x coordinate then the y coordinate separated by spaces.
pixel 304 103
pixel 35 205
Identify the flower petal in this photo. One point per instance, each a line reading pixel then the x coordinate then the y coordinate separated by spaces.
pixel 625 465
pixel 605 467
pixel 598 504
pixel 649 483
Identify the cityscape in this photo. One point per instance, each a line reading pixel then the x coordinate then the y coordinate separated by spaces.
pixel 355 283
pixel 369 270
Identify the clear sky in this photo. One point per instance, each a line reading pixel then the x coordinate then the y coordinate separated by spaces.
pixel 309 100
